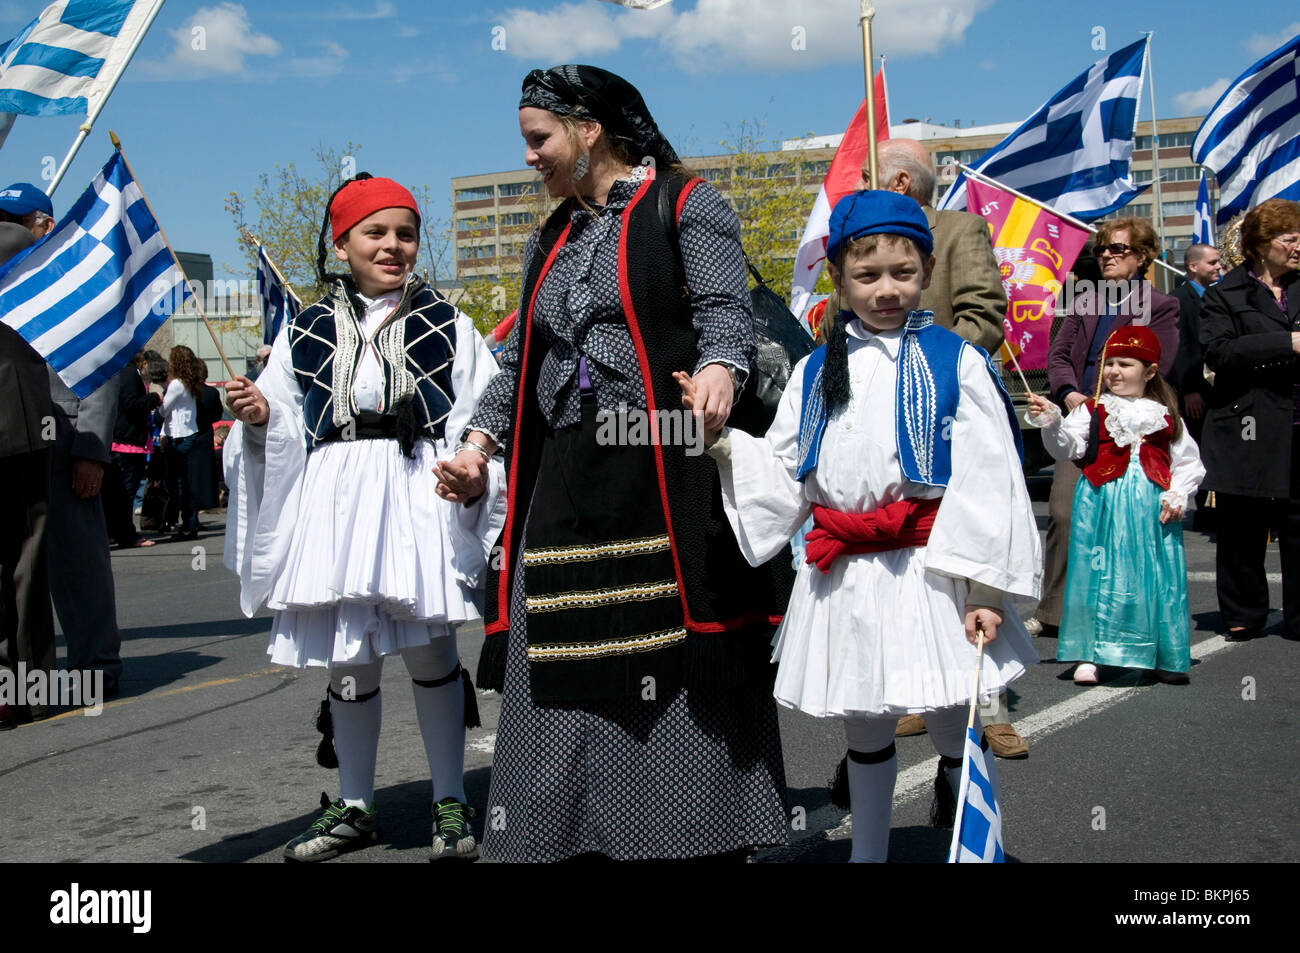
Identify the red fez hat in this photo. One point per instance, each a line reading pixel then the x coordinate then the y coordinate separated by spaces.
pixel 364 197
pixel 1137 341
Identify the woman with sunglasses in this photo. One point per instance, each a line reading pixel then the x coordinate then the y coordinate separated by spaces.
pixel 1250 329
pixel 1124 249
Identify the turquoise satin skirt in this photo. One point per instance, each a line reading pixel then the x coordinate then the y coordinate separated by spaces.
pixel 1126 582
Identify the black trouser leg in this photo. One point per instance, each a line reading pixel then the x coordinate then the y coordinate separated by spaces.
pixel 1288 520
pixel 1239 560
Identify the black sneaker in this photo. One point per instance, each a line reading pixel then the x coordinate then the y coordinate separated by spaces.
pixel 453 839
pixel 338 830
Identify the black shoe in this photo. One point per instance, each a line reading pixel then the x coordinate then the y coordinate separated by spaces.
pixel 1170 678
pixel 338 830
pixel 11 716
pixel 1240 635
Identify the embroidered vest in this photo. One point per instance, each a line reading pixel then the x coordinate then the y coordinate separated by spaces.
pixel 1106 460
pixel 927 390
pixel 416 346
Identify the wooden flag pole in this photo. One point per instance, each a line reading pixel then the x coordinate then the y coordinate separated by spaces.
pixel 975 679
pixel 117 144
pixel 867 14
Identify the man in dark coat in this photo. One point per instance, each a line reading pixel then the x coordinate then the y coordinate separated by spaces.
pixel 1203 268
pixel 135 404
pixel 26 431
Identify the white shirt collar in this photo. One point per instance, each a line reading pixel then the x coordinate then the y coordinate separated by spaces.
pixel 889 340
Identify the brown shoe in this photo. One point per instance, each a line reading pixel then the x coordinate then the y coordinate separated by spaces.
pixel 1005 742
pixel 910 725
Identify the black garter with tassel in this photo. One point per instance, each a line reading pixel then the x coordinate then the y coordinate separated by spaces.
pixel 943 809
pixel 467 686
pixel 326 756
pixel 839 784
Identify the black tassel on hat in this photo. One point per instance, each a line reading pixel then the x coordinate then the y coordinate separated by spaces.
pixel 835 372
pixel 326 757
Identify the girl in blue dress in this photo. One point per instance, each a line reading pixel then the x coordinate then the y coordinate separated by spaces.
pixel 1126 585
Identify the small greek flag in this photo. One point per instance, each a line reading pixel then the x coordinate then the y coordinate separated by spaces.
pixel 1074 152
pixel 977 833
pixel 1203 223
pixel 279 303
pixel 89 295
pixel 66 60
pixel 1250 140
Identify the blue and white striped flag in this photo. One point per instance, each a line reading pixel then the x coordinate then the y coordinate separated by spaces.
pixel 1202 223
pixel 977 832
pixel 1250 140
pixel 89 295
pixel 1074 152
pixel 65 61
pixel 279 303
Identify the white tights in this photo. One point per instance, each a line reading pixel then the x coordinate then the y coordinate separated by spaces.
pixel 440 712
pixel 871 786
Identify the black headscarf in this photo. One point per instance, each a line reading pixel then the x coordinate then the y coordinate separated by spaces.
pixel 589 92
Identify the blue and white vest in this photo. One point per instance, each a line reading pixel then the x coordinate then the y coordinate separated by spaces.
pixel 926 395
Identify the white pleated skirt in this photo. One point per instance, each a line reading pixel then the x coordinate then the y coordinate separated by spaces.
pixel 878 635
pixel 368 571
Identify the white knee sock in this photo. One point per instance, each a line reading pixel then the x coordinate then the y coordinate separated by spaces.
pixel 871 787
pixel 441 713
pixel 356 731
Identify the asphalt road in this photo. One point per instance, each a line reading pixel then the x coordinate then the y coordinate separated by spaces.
pixel 208 754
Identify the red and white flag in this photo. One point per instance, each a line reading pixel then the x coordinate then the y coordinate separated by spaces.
pixel 843 178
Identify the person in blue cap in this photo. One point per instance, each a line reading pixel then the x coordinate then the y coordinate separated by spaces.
pixel 897 438
pixel 24 204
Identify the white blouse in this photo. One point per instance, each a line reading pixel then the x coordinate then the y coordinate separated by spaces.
pixel 1128 420
pixel 180 412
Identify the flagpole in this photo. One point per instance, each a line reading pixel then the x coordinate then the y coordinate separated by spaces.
pixel 278 273
pixel 84 131
pixel 971 173
pixel 867 14
pixel 117 144
pixel 1155 149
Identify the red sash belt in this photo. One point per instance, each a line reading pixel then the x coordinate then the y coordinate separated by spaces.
pixel 898 525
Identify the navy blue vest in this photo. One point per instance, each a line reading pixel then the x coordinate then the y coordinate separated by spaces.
pixel 416 348
pixel 926 395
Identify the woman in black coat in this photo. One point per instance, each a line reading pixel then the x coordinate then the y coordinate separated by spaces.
pixel 1250 330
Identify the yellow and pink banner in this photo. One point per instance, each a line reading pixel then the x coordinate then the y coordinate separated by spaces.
pixel 1035 250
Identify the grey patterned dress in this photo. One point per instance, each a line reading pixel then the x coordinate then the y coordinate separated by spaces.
pixel 685 775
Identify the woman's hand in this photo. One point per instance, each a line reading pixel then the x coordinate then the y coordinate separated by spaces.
pixel 1074 399
pixel 464 476
pixel 691 401
pixel 986 618
pixel 1295 341
pixel 1170 513
pixel 246 401
pixel 711 396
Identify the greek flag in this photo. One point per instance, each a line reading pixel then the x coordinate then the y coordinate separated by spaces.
pixel 278 300
pixel 66 60
pixel 89 295
pixel 1074 152
pixel 977 833
pixel 1203 224
pixel 1251 138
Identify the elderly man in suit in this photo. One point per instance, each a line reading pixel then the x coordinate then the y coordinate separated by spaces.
pixel 26 427
pixel 1203 268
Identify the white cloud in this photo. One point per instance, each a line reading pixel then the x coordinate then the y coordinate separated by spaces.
pixel 329 62
pixel 214 41
pixel 408 31
pixel 768 35
pixel 382 11
pixel 1200 100
pixel 1261 44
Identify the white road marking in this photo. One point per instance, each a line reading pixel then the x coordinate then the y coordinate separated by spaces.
pixel 1210 577
pixel 919 779
pixel 487 744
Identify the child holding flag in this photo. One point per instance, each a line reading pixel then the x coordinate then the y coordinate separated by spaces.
pixel 898 439
pixel 338 526
pixel 1126 585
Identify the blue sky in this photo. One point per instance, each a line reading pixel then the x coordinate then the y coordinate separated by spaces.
pixel 427 91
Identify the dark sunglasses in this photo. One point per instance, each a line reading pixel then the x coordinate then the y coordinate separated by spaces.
pixel 1118 249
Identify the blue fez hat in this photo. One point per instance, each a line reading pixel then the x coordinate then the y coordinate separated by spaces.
pixel 877 212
